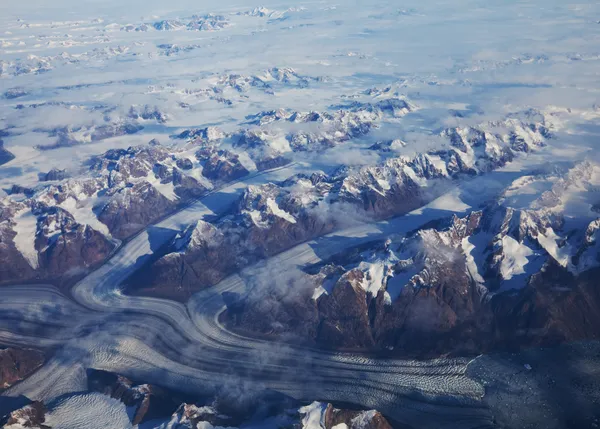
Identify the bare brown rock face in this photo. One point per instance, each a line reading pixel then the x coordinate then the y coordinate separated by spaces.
pixel 344 315
pixel 403 196
pixel 200 257
pixel 131 209
pixel 30 416
pixel 556 307
pixel 354 419
pixel 17 364
pixel 432 320
pixel 131 175
pixel 204 254
pixel 221 165
pixel 65 245
pixel 270 163
pixel 13 265
pixel 429 304
pixel 445 317
pixel 274 217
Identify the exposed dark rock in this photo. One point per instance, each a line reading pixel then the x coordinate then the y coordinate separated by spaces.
pixel 439 309
pixel 207 260
pixel 221 165
pixel 344 315
pixel 270 163
pixel 164 173
pixel 13 93
pixel 5 155
pixel 185 163
pixel 354 419
pixel 17 189
pixel 208 134
pixel 30 416
pixel 18 364
pixel 68 137
pixel 147 113
pixel 132 208
pixel 13 266
pixel 150 401
pixel 65 246
pixel 55 175
pixel 555 308
pixel 187 187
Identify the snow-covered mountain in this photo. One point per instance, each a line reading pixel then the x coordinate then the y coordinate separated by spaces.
pixel 525 259
pixel 401 181
pixel 273 217
pixel 208 22
pixel 66 224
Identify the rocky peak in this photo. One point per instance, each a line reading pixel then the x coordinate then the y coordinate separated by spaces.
pixel 220 165
pixel 148 401
pixel 55 175
pixel 199 235
pixel 31 416
pixel 168 25
pixel 326 416
pixel 207 134
pixel 147 113
pixel 208 22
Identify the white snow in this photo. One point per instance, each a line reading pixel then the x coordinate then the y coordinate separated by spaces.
pixel 256 217
pixel 246 161
pixel 272 204
pixel 363 419
pixel 549 242
pixel 439 163
pixel 319 290
pixel 166 189
pixel 514 257
pixel 314 415
pixel 26 227
pixel 344 50
pixel 468 248
pixel 84 214
pixel 207 425
pixel 375 275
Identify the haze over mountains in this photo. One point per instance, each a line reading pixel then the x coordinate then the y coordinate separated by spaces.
pixel 309 215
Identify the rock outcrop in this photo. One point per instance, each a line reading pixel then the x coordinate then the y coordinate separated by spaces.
pixel 18 364
pixel 5 155
pixel 148 401
pixel 499 278
pixel 31 416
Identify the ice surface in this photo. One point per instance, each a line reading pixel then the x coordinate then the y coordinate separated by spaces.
pixel 88 411
pixel 84 65
pixel 514 257
pixel 26 228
